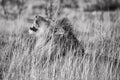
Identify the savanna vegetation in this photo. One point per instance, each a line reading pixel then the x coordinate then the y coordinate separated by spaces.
pixel 76 44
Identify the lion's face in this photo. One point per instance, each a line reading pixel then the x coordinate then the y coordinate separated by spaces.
pixel 39 26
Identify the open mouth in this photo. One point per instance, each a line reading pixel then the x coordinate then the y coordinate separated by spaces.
pixel 33 29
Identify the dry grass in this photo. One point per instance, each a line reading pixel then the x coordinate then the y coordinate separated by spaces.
pixel 86 51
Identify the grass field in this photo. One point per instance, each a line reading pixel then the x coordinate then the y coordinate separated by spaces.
pixel 94 53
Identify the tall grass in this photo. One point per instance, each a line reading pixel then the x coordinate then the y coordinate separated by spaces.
pixel 48 55
pixel 28 57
